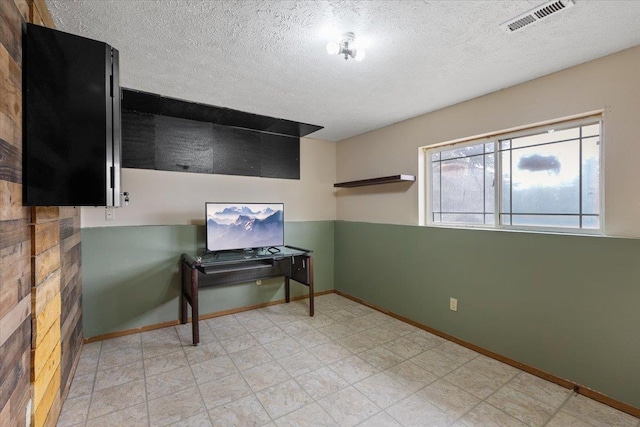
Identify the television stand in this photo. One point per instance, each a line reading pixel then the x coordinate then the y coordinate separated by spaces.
pixel 228 268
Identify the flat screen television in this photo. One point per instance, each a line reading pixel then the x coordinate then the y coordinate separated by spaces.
pixel 233 226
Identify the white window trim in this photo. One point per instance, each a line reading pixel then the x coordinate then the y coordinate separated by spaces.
pixel 425 191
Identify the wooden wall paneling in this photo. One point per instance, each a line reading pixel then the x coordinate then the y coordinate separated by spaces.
pixel 46 292
pixel 46 385
pixel 10 134
pixel 19 398
pixel 23 8
pixel 46 345
pixel 71 307
pixel 7 125
pixel 41 214
pixel 11 201
pixel 14 412
pixel 45 376
pixel 279 156
pixel 11 29
pixel 68 215
pixel 10 163
pixel 14 369
pixel 46 299
pixel 70 228
pixel 15 77
pixel 9 85
pixel 14 263
pixel 66 228
pixel 70 247
pixel 71 344
pixel 30 255
pixel 71 288
pixel 47 412
pixel 69 212
pixel 11 101
pixel 11 321
pixel 45 319
pixel 71 270
pixel 71 295
pixel 236 151
pixel 72 326
pixel 5 414
pixel 10 415
pixel 45 236
pixel 13 232
pixel 8 298
pixel 45 263
pixel 183 145
pixel 138 140
pixel 34 16
pixel 15 244
pixel 43 12
pixel 66 245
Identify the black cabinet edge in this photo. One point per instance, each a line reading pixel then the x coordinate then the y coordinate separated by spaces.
pixel 152 103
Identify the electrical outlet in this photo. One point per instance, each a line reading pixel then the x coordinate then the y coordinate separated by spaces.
pixel 453 304
pixel 258 282
pixel 110 214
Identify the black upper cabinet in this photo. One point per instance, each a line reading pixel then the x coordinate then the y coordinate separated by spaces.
pixel 71 120
pixel 236 151
pixel 279 156
pixel 169 134
pixel 151 103
pixel 183 145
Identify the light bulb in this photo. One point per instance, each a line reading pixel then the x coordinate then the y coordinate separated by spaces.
pixel 359 55
pixel 333 48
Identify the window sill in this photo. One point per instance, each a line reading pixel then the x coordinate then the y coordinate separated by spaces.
pixel 557 232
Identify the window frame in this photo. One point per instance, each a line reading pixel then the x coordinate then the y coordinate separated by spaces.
pixel 426 191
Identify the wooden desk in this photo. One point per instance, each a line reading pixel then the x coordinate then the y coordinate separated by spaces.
pixel 227 268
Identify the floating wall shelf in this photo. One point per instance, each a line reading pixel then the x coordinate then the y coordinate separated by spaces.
pixel 376 181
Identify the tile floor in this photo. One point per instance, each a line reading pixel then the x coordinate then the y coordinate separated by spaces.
pixel 347 366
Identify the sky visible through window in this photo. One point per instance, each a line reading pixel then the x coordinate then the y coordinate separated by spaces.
pixel 549 178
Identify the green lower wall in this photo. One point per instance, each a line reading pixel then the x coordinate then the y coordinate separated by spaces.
pixel 569 305
pixel 130 275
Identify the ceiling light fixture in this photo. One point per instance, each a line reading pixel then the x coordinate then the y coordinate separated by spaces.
pixel 346 46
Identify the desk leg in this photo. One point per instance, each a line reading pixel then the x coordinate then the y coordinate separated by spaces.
pixel 195 317
pixel 310 260
pixel 287 289
pixel 183 299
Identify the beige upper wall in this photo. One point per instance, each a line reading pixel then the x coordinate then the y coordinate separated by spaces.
pixel 163 198
pixel 611 84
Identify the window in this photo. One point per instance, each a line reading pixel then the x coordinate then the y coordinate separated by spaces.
pixel 544 178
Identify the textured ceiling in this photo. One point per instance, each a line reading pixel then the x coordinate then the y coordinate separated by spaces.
pixel 268 57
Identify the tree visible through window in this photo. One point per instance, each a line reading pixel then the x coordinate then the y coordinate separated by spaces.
pixel 545 178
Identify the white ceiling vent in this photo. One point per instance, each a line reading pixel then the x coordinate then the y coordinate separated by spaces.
pixel 534 15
